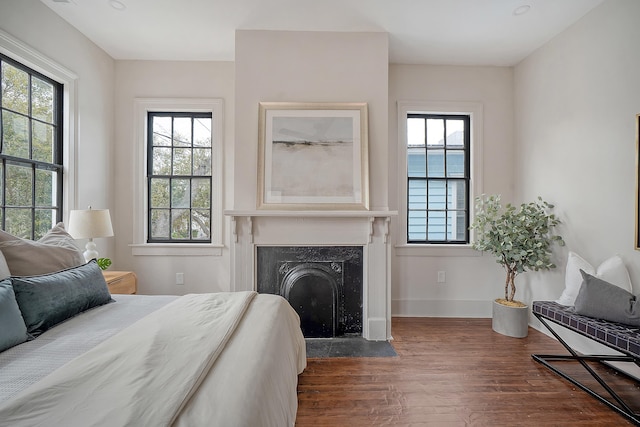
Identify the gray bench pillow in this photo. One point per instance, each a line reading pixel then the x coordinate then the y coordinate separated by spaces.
pixel 603 300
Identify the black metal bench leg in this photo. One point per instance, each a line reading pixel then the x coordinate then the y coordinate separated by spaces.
pixel 622 407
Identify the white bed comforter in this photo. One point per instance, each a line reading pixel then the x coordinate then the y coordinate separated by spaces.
pixel 172 368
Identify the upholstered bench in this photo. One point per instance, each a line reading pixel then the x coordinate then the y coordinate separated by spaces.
pixel 623 338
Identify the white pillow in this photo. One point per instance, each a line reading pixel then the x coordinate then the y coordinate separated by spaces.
pixel 611 270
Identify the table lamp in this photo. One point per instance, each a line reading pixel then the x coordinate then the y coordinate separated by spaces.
pixel 90 224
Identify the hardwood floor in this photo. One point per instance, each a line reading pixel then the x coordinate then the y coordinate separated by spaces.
pixel 451 372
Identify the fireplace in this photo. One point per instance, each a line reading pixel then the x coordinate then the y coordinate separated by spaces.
pixel 368 231
pixel 323 285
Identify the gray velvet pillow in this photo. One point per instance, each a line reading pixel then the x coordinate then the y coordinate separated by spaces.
pixel 49 299
pixel 603 300
pixel 13 331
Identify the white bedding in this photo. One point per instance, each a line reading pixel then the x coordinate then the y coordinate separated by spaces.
pixel 30 362
pixel 151 375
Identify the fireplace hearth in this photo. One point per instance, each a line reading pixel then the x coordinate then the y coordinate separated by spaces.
pixel 323 284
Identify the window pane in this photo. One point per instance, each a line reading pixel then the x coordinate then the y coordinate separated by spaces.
pixel 42 100
pixel 45 188
pixel 456 225
pixel 416 164
pixel 415 132
pixel 19 185
pixel 417 221
pixel 18 222
pixel 437 226
pixel 200 193
pixel 161 130
pixel 43 218
pixel 182 161
pixel 182 131
pixel 435 132
pixel 42 144
pixel 160 193
pixel 200 225
pixel 455 133
pixel 160 223
pixel 15 89
pixel 435 163
pixel 161 161
pixel 437 195
pixel 455 163
pixel 457 198
pixel 15 130
pixel 180 224
pixel 202 161
pixel 202 132
pixel 417 194
pixel 180 193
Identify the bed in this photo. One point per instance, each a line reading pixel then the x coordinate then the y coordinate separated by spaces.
pixel 224 359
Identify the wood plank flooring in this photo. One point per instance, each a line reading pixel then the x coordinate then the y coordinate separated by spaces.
pixel 451 372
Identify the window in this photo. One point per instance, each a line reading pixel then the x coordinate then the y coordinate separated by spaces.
pixel 439 174
pixel 438 151
pixel 31 150
pixel 179 177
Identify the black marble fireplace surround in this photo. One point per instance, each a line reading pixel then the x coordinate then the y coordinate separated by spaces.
pixel 322 283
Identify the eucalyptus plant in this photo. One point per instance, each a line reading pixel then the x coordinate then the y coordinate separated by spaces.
pixel 519 237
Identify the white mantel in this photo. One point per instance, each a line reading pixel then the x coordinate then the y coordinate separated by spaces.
pixel 369 229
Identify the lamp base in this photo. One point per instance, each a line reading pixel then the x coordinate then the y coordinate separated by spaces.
pixel 90 251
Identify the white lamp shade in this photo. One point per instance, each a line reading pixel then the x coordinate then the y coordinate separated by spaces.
pixel 90 223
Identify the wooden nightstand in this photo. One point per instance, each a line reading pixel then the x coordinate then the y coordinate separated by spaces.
pixel 121 282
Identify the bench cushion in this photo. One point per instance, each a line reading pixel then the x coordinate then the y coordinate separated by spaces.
pixel 623 338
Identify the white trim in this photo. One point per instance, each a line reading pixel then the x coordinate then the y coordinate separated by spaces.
pixel 141 107
pixel 436 250
pixel 475 111
pixel 33 59
pixel 440 308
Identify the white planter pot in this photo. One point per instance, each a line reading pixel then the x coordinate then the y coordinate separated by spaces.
pixel 510 321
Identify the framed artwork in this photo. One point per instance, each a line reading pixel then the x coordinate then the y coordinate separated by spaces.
pixel 313 156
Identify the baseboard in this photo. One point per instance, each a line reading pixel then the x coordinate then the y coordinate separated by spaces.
pixel 440 308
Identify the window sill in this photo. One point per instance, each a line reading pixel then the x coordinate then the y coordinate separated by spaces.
pixel 177 249
pixel 436 250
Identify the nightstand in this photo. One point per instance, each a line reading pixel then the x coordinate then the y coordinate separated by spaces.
pixel 121 282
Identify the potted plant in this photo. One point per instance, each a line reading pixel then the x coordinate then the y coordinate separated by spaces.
pixel 521 239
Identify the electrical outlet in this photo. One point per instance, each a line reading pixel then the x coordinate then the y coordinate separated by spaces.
pixel 179 278
pixel 441 277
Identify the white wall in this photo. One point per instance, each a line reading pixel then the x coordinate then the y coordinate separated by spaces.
pixel 183 79
pixel 35 25
pixel 576 104
pixel 290 66
pixel 472 281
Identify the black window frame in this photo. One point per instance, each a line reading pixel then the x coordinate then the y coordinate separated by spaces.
pixel 151 175
pixel 58 150
pixel 466 118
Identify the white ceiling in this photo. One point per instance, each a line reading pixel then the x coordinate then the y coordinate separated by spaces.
pixel 452 32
